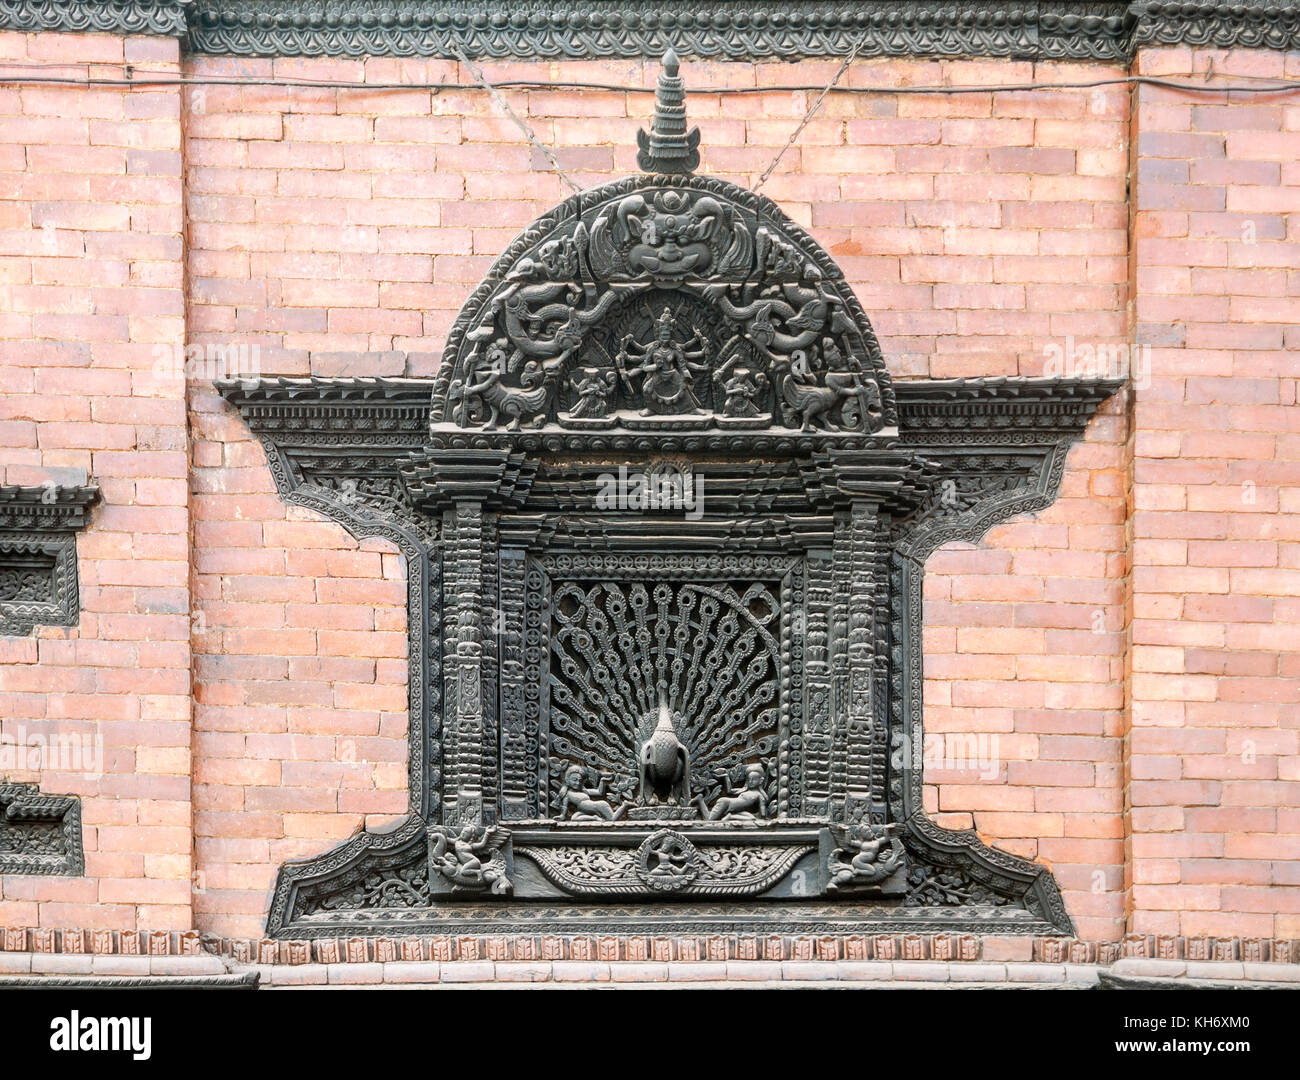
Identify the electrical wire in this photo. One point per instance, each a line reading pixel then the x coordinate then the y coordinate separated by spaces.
pixel 153 80
pixel 1278 86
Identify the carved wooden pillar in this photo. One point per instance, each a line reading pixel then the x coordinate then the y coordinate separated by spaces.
pixel 856 561
pixel 463 726
pixel 819 731
pixel 516 765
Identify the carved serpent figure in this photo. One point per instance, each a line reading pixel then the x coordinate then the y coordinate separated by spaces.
pixel 522 320
pixel 816 307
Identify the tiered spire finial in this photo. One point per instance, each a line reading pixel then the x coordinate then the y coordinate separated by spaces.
pixel 669 147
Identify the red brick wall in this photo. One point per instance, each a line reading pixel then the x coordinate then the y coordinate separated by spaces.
pixel 981 232
pixel 1214 739
pixel 91 288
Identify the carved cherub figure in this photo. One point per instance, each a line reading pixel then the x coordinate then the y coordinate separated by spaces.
pixel 582 803
pixel 475 861
pixel 747 802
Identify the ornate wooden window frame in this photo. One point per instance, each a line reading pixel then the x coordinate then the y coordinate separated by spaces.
pixel 39 834
pixel 821 463
pixel 38 555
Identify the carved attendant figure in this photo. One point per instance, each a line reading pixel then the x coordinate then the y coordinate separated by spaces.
pixel 746 803
pixel 582 803
pixel 739 387
pixel 593 388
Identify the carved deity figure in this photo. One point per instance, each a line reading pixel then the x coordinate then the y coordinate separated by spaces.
pixel 583 803
pixel 471 859
pixel 593 388
pixel 870 854
pixel 745 803
pixel 667 368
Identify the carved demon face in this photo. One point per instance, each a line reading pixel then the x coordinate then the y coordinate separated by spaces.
pixel 672 238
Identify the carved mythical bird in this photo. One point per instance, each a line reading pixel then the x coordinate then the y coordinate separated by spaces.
pixel 523 403
pixel 812 403
pixel 665 762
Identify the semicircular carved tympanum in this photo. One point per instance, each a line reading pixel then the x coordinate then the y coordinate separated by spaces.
pixel 664 304
pixel 665 519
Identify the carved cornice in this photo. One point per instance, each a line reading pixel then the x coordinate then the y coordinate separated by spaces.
pixel 986 410
pixel 395 412
pixel 724 29
pixel 1246 24
pixel 165 18
pixel 699 29
pixel 38 554
pixel 44 507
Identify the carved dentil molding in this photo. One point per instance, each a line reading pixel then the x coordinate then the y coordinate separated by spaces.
pixel 698 29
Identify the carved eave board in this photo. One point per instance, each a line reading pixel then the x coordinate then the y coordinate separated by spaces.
pixel 666 520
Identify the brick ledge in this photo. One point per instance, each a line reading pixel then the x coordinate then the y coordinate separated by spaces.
pixel 887 948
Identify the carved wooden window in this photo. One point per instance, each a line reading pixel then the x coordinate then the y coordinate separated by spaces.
pixel 707 705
